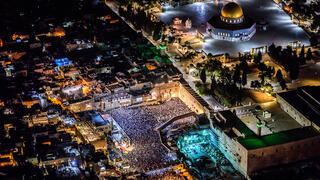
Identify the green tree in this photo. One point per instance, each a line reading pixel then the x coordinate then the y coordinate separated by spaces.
pixel 236 74
pixel 302 59
pixel 203 76
pixel 244 78
pixel 157 32
pixel 187 43
pixel 268 88
pixel 255 84
pixel 279 76
pixel 163 37
pixel 243 65
pixel 283 84
pixel 258 58
pixel 272 49
pixel 262 78
pixel 213 83
pixel 309 54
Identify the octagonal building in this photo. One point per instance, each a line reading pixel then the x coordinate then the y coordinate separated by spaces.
pixel 231 25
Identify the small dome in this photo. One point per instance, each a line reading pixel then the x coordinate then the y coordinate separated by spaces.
pixel 231 10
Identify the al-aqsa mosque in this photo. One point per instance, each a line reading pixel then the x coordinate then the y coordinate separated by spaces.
pixel 231 25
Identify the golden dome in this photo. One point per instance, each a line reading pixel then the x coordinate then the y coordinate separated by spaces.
pixel 231 10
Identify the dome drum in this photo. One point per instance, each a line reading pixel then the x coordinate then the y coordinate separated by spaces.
pixel 232 13
pixel 232 20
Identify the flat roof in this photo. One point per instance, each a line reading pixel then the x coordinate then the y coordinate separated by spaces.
pixel 234 121
pixel 98 120
pixel 278 138
pixel 305 100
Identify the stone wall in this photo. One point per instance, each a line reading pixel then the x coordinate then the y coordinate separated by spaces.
pixel 232 150
pixel 296 115
pixel 190 101
pixel 283 153
pixel 174 89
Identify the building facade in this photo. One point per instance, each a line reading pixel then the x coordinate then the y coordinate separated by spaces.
pixel 231 25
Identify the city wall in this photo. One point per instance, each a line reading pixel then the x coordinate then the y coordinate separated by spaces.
pixel 282 154
pixel 293 112
pixel 170 90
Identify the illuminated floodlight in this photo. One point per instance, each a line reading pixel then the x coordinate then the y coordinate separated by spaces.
pixel 74 163
pixel 259 125
pixel 62 62
pixel 162 47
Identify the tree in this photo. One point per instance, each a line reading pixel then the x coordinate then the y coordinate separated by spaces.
pixel 283 84
pixel 261 76
pixel 236 74
pixel 244 78
pixel 272 49
pixel 213 83
pixel 279 76
pixel 255 84
pixel 309 54
pixel 157 32
pixel 258 58
pixel 187 43
pixel 203 76
pixel 163 37
pixel 268 88
pixel 201 88
pixel 243 65
pixel 302 59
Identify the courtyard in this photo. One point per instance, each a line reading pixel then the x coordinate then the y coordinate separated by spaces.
pixel 278 122
pixel 280 30
pixel 139 124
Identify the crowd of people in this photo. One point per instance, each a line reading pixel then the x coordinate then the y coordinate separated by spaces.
pixel 166 176
pixel 139 123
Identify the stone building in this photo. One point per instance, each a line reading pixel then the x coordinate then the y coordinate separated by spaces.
pixel 249 152
pixel 303 105
pixel 231 25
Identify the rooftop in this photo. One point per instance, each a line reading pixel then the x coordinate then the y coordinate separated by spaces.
pixel 305 100
pixel 234 121
pixel 98 120
pixel 278 138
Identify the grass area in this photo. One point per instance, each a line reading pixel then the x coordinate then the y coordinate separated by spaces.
pixel 278 138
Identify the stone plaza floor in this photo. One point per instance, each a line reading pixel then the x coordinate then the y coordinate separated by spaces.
pixel 279 121
pixel 281 30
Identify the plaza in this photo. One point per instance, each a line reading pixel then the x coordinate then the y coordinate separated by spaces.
pixel 139 123
pixel 280 29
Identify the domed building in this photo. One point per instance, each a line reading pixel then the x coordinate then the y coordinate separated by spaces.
pixel 231 25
